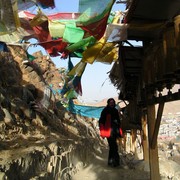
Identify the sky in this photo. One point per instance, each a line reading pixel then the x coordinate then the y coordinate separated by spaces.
pixel 96 84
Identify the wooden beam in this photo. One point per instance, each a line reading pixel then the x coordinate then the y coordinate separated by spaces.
pixel 157 125
pixel 125 141
pixel 153 153
pixel 166 98
pixel 133 140
pixel 144 138
pixel 132 7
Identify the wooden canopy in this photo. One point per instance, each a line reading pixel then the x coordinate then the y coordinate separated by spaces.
pixel 148 18
pixel 145 69
pixel 156 63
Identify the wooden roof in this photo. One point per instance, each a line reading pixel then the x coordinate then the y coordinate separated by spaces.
pixel 139 70
pixel 154 13
pixel 147 20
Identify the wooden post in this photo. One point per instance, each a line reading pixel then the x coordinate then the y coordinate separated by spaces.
pixel 125 140
pixel 153 152
pixel 169 45
pixel 128 142
pixel 145 138
pixel 177 39
pixel 133 140
pixel 157 125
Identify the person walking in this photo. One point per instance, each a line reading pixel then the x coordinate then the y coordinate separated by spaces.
pixel 109 125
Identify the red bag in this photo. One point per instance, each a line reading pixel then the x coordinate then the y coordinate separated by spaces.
pixel 105 130
pixel 120 132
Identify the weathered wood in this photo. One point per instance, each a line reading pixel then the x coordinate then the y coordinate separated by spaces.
pixel 159 61
pixel 169 43
pixel 166 98
pixel 125 141
pixel 153 153
pixel 133 140
pixel 157 125
pixel 177 36
pixel 144 138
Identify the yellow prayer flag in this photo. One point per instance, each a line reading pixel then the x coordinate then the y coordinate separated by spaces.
pixel 56 28
pixel 91 53
pixel 38 19
pixel 108 57
pixel 3 29
pixel 78 69
pixel 15 12
pixel 117 17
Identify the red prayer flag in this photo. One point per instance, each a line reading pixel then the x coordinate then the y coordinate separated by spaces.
pixel 98 28
pixel 54 47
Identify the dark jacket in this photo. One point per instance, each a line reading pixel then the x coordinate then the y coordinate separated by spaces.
pixel 114 118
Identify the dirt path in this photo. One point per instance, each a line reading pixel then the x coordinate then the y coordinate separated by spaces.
pixel 97 169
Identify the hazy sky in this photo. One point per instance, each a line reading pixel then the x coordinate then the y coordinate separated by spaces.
pixel 95 82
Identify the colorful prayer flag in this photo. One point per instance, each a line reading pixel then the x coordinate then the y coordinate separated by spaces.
pixel 94 16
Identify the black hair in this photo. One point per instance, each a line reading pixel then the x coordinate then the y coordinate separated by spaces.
pixel 110 99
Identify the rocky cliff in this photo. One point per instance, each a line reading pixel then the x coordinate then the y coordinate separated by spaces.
pixel 38 140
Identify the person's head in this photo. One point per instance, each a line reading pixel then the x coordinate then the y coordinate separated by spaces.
pixel 111 103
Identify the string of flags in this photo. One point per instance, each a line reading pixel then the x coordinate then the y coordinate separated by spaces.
pixel 92 34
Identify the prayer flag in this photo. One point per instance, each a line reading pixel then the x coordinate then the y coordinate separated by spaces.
pixel 82 44
pixel 38 19
pixel 78 69
pixel 92 52
pixel 72 34
pixel 94 16
pixel 54 47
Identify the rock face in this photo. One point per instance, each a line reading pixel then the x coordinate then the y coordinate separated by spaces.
pixel 37 139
